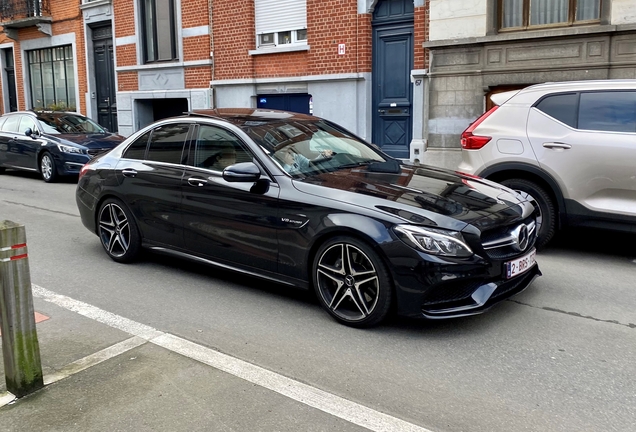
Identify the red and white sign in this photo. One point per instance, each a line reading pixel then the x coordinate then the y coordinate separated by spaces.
pixel 341 49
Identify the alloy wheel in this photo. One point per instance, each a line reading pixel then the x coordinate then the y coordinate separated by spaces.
pixel 46 167
pixel 348 282
pixel 114 230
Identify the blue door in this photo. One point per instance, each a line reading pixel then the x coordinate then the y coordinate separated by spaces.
pixel 392 65
pixel 295 102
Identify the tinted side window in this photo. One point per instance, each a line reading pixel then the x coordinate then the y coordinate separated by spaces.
pixel 608 111
pixel 137 150
pixel 217 149
pixel 166 143
pixel 12 124
pixel 561 107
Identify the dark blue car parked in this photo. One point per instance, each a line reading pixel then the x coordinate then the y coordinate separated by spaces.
pixel 51 143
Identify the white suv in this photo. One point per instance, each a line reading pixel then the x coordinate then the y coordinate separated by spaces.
pixel 570 146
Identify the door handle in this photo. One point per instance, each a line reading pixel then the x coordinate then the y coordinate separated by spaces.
pixel 197 182
pixel 129 172
pixel 557 145
pixel 381 111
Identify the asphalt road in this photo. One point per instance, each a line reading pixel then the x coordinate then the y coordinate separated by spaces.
pixel 558 357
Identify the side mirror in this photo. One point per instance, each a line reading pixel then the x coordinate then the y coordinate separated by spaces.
pixel 246 172
pixel 31 133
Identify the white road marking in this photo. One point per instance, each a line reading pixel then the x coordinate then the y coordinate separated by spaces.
pixel 6 398
pixel 94 359
pixel 303 393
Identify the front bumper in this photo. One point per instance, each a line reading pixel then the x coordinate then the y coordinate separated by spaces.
pixel 478 297
pixel 436 288
pixel 70 163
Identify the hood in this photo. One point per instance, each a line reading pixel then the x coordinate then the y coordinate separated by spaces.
pixel 423 195
pixel 91 141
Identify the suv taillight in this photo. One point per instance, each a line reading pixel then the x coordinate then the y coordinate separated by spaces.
pixel 475 142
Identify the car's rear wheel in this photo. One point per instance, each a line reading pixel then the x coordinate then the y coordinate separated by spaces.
pixel 47 168
pixel 546 220
pixel 351 282
pixel 118 231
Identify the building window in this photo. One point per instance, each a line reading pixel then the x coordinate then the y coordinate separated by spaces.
pixel 530 14
pixel 159 30
pixel 52 78
pixel 280 22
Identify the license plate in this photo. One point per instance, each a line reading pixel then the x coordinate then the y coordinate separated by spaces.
pixel 521 265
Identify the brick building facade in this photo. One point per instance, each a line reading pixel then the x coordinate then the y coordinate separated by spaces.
pixel 132 62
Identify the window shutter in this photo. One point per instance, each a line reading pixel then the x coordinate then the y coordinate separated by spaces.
pixel 280 15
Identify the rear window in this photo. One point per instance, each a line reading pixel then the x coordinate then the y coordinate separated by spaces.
pixel 608 111
pixel 137 150
pixel 561 107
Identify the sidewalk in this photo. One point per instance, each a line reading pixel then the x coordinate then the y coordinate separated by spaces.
pixel 100 377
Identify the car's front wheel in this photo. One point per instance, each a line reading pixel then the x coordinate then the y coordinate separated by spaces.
pixel 47 168
pixel 118 231
pixel 351 282
pixel 546 220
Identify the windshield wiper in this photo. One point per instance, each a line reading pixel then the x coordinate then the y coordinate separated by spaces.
pixel 358 164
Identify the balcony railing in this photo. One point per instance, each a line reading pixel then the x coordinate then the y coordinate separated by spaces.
pixel 25 12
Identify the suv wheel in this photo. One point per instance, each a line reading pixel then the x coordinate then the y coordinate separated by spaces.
pixel 546 221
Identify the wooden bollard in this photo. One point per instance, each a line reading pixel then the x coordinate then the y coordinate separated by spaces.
pixel 20 348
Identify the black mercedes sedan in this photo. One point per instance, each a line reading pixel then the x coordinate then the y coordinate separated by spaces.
pixel 51 143
pixel 299 200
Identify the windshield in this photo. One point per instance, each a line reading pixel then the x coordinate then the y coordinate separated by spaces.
pixel 309 147
pixel 68 124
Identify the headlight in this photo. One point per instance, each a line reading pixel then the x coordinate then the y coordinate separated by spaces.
pixel 435 241
pixel 69 149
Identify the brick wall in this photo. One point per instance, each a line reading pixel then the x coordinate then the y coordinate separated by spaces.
pixel 233 33
pixel 127 81
pixel 196 48
pixel 124 17
pixel 194 13
pixel 421 35
pixel 198 77
pixel 329 23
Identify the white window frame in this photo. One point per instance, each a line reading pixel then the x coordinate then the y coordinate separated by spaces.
pixel 277 17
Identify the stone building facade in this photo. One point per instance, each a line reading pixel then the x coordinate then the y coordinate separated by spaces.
pixel 478 48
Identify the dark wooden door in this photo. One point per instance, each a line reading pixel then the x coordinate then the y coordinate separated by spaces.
pixel 392 87
pixel 106 93
pixel 10 71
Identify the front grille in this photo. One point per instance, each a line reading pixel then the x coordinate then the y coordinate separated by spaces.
pixel 503 242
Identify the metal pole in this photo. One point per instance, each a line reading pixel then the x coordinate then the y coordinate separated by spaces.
pixel 20 348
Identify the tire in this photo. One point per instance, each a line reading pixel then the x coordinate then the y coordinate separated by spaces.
pixel 351 282
pixel 47 168
pixel 118 231
pixel 546 220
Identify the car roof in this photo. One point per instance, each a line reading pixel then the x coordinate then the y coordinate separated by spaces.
pixel 38 113
pixel 251 116
pixel 531 94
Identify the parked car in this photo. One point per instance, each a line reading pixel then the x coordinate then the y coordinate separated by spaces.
pixel 570 147
pixel 51 143
pixel 366 231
